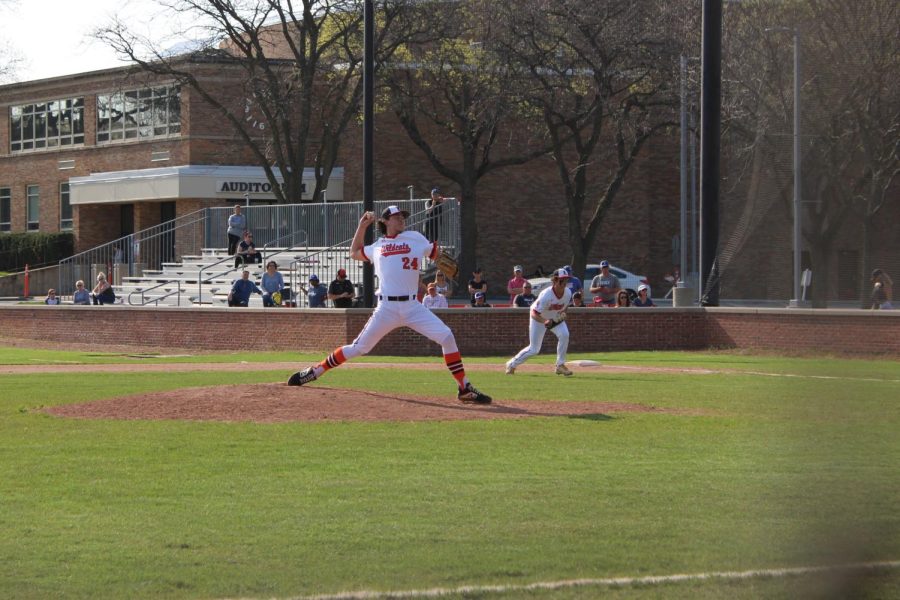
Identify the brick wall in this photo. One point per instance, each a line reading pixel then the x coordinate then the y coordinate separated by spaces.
pixel 478 332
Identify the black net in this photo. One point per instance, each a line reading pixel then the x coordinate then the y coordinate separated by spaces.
pixel 849 127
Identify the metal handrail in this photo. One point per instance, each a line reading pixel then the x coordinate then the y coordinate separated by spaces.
pixel 145 302
pixel 292 248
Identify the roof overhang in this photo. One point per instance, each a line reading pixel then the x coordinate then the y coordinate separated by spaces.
pixel 191 181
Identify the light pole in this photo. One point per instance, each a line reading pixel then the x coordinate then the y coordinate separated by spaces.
pixel 797 301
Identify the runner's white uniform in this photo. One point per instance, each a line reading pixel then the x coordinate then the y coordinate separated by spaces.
pixel 397 261
pixel 547 306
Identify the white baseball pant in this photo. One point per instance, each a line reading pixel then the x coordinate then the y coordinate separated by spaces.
pixel 536 333
pixel 390 315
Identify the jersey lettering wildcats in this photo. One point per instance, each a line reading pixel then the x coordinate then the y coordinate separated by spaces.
pixel 397 262
pixel 548 305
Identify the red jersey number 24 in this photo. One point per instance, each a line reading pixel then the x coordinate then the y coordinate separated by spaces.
pixel 410 263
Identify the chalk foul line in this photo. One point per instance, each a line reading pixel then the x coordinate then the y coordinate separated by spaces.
pixel 607 582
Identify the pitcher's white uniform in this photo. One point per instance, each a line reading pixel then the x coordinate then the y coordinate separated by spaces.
pixel 546 307
pixel 397 260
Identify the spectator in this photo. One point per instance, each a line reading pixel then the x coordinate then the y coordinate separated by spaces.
pixel 622 299
pixel 341 291
pixel 246 252
pixel 526 298
pixel 605 286
pixel 515 285
pixel 575 283
pixel 51 297
pixel 316 293
pixel 476 284
pixel 272 284
pixel 237 224
pixel 103 292
pixel 81 295
pixel 443 286
pixel 882 290
pixel 434 300
pixel 241 290
pixel 643 296
pixel 578 300
pixel 434 207
pixel 481 301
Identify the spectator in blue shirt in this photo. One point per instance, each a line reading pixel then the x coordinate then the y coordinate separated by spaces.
pixel 574 282
pixel 81 295
pixel 316 293
pixel 241 290
pixel 272 284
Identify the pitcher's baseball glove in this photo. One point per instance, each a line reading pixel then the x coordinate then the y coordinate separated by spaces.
pixel 551 323
pixel 447 265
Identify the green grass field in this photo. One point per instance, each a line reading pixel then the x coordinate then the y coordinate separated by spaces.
pixel 781 462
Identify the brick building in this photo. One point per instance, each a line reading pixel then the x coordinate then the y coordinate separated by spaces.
pixel 111 152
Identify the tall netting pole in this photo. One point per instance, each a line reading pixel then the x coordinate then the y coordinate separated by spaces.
pixel 710 147
pixel 369 143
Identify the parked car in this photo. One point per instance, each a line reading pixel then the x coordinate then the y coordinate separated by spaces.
pixel 628 280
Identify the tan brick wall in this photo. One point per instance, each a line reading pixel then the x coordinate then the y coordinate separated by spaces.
pixel 478 332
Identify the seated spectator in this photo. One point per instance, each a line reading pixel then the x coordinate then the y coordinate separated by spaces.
pixel 432 299
pixel 882 290
pixel 241 290
pixel 515 285
pixel 341 291
pixel 643 296
pixel 476 284
pixel 103 292
pixel 578 300
pixel 272 284
pixel 316 292
pixel 246 252
pixel 481 301
pixel 622 299
pixel 81 295
pixel 526 298
pixel 51 297
pixel 442 285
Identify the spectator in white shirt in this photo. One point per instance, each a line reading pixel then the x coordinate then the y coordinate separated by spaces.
pixel 434 300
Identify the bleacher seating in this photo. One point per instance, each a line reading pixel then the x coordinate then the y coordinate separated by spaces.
pixel 178 284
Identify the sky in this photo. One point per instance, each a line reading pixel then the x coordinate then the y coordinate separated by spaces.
pixel 53 36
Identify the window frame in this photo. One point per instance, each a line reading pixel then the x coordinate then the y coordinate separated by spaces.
pixel 135 114
pixel 46 125
pixel 32 225
pixel 6 198
pixel 65 223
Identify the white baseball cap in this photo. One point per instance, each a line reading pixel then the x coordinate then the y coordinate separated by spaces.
pixel 518 268
pixel 562 274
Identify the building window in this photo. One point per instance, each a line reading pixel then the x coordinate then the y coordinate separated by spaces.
pixel 33 208
pixel 5 209
pixel 47 125
pixel 65 208
pixel 139 114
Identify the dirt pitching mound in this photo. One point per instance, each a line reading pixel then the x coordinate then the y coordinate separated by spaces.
pixel 277 403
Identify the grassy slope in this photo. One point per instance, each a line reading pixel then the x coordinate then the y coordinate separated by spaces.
pixel 776 472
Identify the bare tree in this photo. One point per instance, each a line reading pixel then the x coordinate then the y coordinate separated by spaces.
pixel 298 65
pixel 459 105
pixel 10 58
pixel 603 80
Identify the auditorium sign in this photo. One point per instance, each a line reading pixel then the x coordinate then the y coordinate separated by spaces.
pixel 250 187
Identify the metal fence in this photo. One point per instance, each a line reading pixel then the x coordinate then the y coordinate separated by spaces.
pixel 323 230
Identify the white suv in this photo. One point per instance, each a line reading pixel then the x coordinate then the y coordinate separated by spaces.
pixel 629 281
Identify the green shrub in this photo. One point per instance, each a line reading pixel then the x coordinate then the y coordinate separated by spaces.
pixel 34 249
